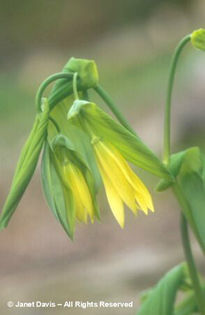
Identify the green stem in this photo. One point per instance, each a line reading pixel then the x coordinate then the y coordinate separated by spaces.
pixel 191 265
pixel 108 100
pixel 45 83
pixel 176 189
pixel 167 119
pixel 186 210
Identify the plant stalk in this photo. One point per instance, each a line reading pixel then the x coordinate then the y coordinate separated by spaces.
pixel 167 118
pixel 108 100
pixel 166 159
pixel 45 83
pixel 191 265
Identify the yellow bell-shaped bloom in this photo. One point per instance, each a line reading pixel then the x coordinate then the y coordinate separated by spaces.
pixel 82 199
pixel 122 185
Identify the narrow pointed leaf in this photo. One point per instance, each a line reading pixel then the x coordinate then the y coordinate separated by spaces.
pixel 191 184
pixel 193 189
pixel 190 158
pixel 188 305
pixel 26 166
pixel 161 298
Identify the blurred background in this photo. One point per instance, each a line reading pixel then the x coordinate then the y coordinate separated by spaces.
pixel 132 42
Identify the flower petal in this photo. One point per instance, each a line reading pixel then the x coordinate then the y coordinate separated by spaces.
pixel 142 194
pixel 115 201
pixel 81 193
pixel 110 164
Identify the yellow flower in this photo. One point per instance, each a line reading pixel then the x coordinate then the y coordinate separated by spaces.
pixel 75 181
pixel 122 185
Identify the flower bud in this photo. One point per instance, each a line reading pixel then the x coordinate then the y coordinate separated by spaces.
pixel 86 69
pixel 198 39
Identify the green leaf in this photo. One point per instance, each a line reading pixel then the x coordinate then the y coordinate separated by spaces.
pixel 59 114
pixel 131 147
pixel 188 305
pixel 161 298
pixel 203 168
pixel 59 199
pixel 26 166
pixel 190 159
pixel 64 90
pixel 164 184
pixel 192 186
pixel 189 169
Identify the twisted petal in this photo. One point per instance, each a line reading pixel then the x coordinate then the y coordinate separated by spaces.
pixel 121 183
pixel 111 166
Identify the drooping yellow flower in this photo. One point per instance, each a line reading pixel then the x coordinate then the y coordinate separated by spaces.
pixel 122 185
pixel 83 204
pixel 68 183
